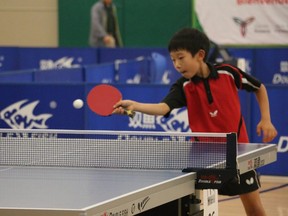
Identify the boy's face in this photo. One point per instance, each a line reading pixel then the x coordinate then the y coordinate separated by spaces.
pixel 186 64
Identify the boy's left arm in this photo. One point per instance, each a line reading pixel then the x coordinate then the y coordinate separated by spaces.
pixel 265 126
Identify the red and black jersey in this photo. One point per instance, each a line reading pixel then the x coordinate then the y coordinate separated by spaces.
pixel 213 103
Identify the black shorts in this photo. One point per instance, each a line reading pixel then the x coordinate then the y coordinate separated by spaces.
pixel 249 182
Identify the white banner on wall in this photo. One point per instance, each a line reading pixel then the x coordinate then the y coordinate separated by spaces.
pixel 244 22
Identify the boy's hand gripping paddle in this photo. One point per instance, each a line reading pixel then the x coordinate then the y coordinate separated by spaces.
pixel 103 97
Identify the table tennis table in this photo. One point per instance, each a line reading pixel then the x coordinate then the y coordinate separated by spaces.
pixel 69 188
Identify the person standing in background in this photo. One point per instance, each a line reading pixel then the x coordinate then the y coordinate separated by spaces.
pixel 104 30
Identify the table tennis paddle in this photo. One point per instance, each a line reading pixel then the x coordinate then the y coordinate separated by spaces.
pixel 103 97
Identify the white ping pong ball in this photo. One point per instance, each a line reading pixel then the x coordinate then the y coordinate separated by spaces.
pixel 78 104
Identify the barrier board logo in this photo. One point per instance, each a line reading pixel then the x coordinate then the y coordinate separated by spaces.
pixel 64 62
pixel 282 77
pixel 176 122
pixel 135 80
pixel 282 146
pixel 2 58
pixel 165 77
pixel 20 115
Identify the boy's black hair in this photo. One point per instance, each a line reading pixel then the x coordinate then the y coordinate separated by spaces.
pixel 191 40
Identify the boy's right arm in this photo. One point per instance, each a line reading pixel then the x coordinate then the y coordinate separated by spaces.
pixel 265 126
pixel 147 108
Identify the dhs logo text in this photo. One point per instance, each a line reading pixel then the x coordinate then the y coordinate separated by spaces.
pixel 282 77
pixel 283 144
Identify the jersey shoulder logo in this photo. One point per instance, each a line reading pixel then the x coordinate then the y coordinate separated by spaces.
pixel 213 114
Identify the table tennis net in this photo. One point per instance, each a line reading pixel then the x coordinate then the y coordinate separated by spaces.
pixel 112 149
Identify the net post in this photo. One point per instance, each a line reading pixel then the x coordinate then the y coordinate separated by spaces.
pixel 231 154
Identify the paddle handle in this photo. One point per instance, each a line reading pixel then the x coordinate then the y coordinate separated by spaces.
pixel 129 113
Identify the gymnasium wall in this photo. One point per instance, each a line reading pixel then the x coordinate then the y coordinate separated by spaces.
pixel 51 23
pixel 146 23
pixel 29 23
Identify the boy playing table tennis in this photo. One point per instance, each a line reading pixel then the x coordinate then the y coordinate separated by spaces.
pixel 210 93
